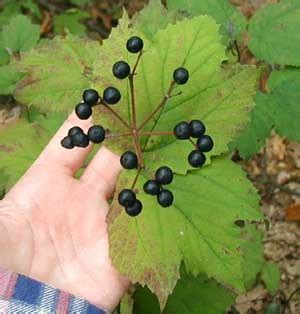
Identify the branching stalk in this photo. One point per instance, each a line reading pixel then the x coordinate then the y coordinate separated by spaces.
pixel 115 114
pixel 159 107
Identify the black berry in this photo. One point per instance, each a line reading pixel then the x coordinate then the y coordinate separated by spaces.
pixel 90 97
pixel 83 111
pixel 181 76
pixel 96 134
pixel 134 209
pixel 205 143
pixel 165 198
pixel 164 175
pixel 80 140
pixel 135 44
pixel 197 128
pixel 126 198
pixel 151 187
pixel 129 160
pixel 67 142
pixel 74 130
pixel 111 95
pixel 121 70
pixel 182 131
pixel 196 159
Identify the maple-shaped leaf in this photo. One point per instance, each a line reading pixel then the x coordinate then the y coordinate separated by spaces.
pixel 57 73
pixel 219 96
pixel 198 228
pixel 20 34
pixel 153 17
pixel 274 35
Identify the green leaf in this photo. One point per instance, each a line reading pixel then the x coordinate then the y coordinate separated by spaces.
pixel 33 7
pixel 153 18
pixel 145 302
pixel 8 79
pixel 253 253
pixel 271 277
pixel 58 73
pixel 71 21
pixel 211 90
pixel 4 55
pixel 279 109
pixel 21 143
pixel 199 228
pixel 253 137
pixel 20 34
pixel 274 35
pixel 198 295
pixel 285 92
pixel 231 20
pixel 81 2
pixel 11 8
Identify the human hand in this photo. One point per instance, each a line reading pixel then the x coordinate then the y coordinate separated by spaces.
pixel 52 226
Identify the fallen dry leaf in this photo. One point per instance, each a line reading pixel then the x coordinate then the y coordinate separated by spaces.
pixel 292 213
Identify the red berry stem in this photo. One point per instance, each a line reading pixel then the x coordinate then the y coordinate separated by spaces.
pixel 137 63
pixel 102 102
pixel 116 136
pixel 135 133
pixel 160 106
pixel 156 133
pixel 136 178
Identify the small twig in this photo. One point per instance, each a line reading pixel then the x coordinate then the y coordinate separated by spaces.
pixel 136 178
pixel 114 136
pixel 137 63
pixel 159 107
pixel 194 144
pixel 102 102
pixel 288 300
pixel 237 50
pixel 136 138
pixel 156 133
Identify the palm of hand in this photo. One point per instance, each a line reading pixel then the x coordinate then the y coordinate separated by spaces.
pixel 57 223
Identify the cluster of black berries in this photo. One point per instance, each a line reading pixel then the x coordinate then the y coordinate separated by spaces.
pixel 77 138
pixel 91 98
pixel 195 129
pixel 129 160
pixel 163 176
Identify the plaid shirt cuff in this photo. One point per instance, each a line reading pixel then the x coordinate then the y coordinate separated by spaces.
pixel 19 294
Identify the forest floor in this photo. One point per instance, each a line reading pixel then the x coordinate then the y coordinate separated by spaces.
pixel 275 172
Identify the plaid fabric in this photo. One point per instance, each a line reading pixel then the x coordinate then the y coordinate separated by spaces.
pixel 19 294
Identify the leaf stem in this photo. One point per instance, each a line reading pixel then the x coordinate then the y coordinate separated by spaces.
pixel 113 136
pixel 137 63
pixel 102 102
pixel 156 133
pixel 135 133
pixel 194 144
pixel 159 107
pixel 136 178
